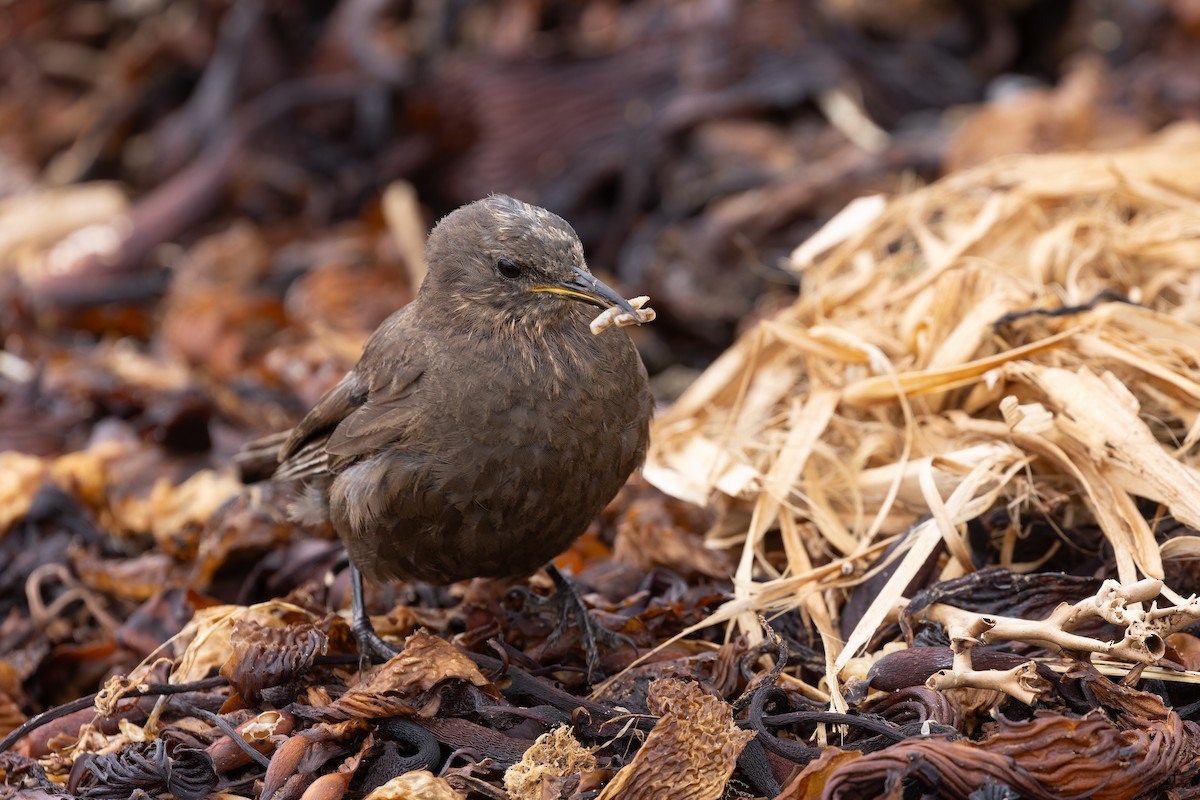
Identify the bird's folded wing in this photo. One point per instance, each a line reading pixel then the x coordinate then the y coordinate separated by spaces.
pixel 303 454
pixel 311 459
pixel 370 429
pixel 367 410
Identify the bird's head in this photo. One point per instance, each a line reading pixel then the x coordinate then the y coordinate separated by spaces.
pixel 499 258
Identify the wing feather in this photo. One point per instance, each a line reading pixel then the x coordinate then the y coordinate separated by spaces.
pixel 303 454
pixel 351 422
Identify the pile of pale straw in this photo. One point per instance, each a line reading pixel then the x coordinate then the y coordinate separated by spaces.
pixel 908 389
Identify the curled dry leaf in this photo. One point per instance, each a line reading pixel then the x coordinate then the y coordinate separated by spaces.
pixel 22 475
pixel 115 689
pixel 553 756
pixel 1129 706
pixel 136 578
pixel 264 657
pixel 84 474
pixel 405 684
pixel 690 752
pixel 207 637
pixel 416 785
pixel 171 509
pixel 660 531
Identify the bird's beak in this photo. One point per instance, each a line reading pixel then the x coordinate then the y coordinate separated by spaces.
pixel 588 288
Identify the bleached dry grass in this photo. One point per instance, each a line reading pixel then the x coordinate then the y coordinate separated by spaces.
pixel 891 391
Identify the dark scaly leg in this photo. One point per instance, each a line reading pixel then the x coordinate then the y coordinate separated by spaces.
pixel 370 643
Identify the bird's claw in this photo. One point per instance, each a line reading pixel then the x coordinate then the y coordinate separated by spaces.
pixel 372 646
pixel 573 611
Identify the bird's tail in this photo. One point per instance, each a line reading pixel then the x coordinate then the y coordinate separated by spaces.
pixel 258 460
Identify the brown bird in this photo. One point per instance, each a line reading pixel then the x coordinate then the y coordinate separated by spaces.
pixel 484 426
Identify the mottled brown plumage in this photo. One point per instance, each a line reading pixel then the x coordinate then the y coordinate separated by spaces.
pixel 484 425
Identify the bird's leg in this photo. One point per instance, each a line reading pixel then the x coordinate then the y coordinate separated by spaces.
pixel 572 610
pixel 370 643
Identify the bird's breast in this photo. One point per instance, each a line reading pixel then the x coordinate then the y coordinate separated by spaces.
pixel 509 467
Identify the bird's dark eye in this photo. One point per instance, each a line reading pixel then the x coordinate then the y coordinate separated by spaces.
pixel 508 268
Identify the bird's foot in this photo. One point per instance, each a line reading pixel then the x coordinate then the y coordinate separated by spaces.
pixel 573 613
pixel 370 644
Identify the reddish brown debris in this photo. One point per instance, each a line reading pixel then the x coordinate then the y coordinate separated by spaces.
pixel 206 207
